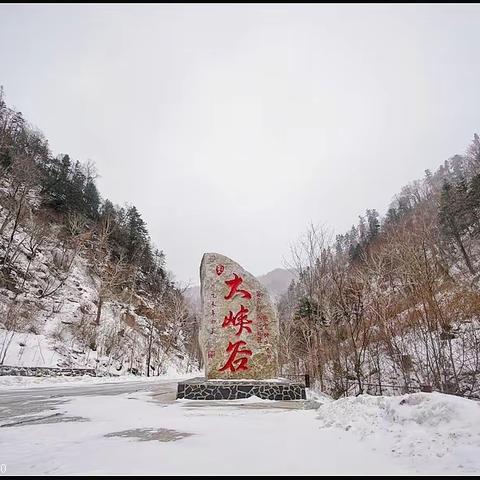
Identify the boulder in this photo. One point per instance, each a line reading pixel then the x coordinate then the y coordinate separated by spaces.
pixel 239 327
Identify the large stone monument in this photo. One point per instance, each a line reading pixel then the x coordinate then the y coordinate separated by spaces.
pixel 239 336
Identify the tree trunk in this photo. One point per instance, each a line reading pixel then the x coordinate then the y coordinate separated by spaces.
pixel 26 273
pixel 149 355
pixel 6 221
pixel 458 241
pixel 99 310
pixel 464 253
pixel 15 226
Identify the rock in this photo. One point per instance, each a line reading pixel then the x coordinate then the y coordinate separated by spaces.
pixel 129 319
pixel 88 308
pixel 144 311
pixel 239 327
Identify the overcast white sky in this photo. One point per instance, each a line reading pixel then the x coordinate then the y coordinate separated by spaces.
pixel 231 127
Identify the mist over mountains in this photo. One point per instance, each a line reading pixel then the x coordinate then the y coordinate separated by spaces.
pixel 276 282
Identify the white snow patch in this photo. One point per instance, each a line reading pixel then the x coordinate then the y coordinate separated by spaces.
pixel 431 432
pixel 30 350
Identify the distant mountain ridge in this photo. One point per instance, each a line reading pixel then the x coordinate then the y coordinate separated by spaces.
pixel 277 281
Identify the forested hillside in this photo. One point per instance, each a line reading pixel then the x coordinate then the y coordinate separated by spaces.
pixel 81 283
pixel 394 303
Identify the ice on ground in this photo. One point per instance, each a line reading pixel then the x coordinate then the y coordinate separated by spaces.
pixel 431 432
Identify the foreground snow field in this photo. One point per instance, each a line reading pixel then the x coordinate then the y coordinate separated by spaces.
pixel 428 432
pixel 97 430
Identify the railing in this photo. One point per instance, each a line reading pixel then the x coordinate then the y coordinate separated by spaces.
pixel 300 378
pixel 382 388
pixel 351 386
pixel 45 371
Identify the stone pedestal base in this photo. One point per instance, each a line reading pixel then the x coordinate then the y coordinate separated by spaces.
pixel 201 389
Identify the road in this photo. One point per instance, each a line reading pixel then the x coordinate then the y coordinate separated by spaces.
pixel 30 403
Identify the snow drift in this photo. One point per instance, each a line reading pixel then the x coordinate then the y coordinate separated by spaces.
pixel 429 431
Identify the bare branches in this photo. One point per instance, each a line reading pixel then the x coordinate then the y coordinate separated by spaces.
pixel 385 312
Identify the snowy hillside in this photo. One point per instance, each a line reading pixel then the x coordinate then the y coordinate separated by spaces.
pixel 81 282
pixel 49 317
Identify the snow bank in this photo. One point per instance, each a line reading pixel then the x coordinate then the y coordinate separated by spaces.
pixel 429 431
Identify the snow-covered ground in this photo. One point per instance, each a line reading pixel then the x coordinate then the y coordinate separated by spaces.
pixel 150 432
pixel 428 432
pixel 15 381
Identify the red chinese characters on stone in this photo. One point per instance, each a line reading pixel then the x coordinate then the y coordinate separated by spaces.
pixel 239 356
pixel 240 319
pixel 234 290
pixel 219 269
pixel 233 363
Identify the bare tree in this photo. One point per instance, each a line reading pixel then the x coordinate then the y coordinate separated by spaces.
pixel 14 319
